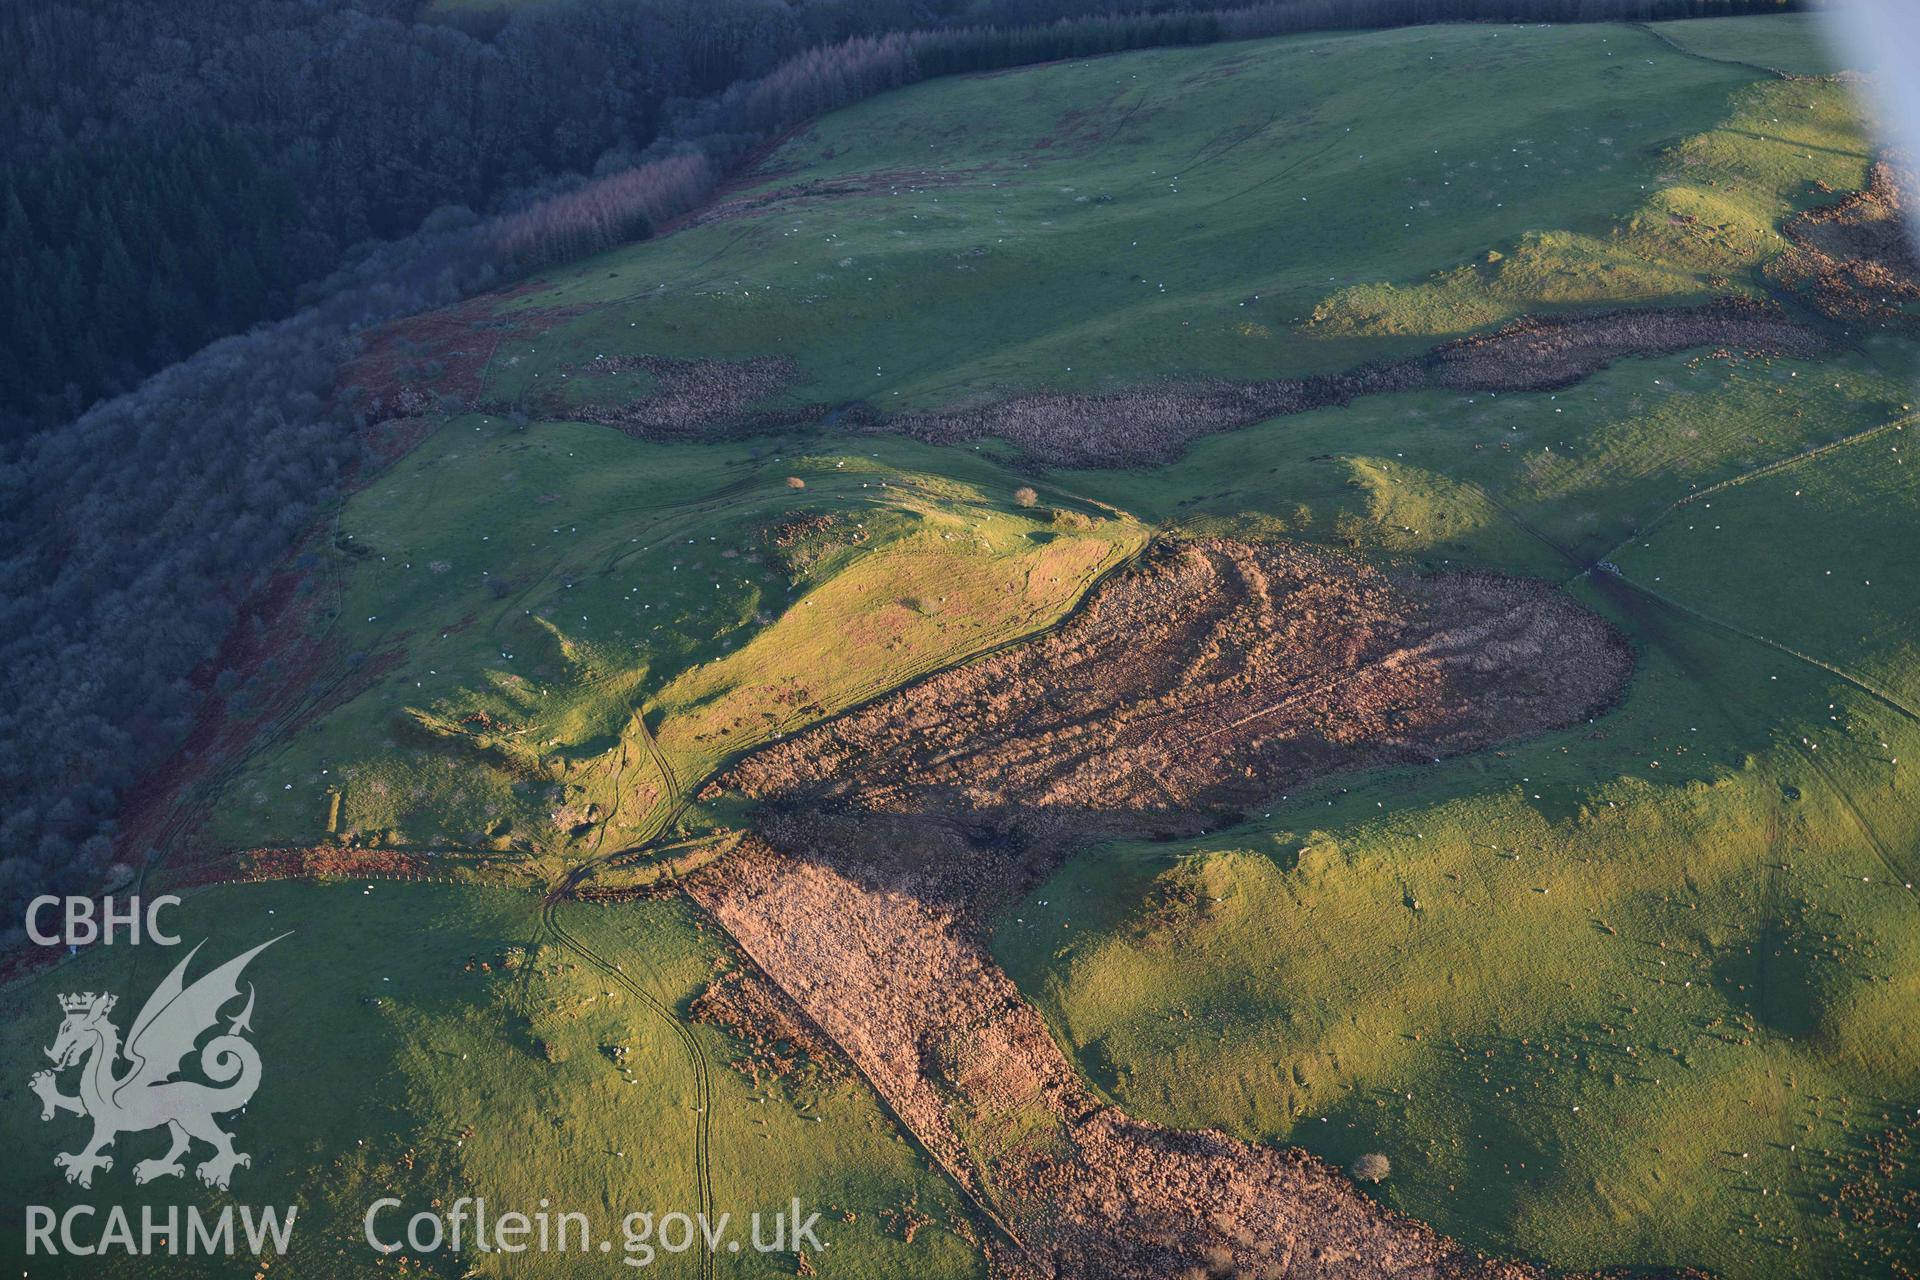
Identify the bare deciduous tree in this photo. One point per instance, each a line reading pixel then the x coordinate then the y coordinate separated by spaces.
pixel 1371 1167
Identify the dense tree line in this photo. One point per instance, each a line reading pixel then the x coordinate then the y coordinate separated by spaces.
pixel 374 118
pixel 824 78
pixel 373 115
pixel 128 256
pixel 132 535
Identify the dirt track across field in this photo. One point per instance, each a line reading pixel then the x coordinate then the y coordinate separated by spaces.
pixel 1211 675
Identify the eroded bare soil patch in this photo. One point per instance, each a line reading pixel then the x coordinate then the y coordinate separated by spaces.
pixel 1212 674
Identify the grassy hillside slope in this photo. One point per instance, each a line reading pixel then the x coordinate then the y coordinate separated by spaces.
pixel 1637 993
pixel 1185 211
pixel 427 1042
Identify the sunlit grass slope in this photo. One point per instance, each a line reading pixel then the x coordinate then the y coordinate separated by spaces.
pixel 561 629
pixel 426 1042
pixel 1248 210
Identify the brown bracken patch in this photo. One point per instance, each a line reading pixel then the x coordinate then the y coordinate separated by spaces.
pixel 1075 1187
pixel 692 399
pixel 1211 677
pixel 404 369
pixel 1212 674
pixel 1854 260
pixel 730 399
pixel 1155 423
pixel 316 862
pixel 777 1040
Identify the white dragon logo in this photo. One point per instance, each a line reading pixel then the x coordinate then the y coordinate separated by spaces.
pixel 145 1096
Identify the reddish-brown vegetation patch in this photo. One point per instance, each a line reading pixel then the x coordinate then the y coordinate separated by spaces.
pixel 319 862
pixel 1212 676
pixel 1854 260
pixel 1077 1188
pixel 778 1041
pixel 405 369
pixel 1155 423
pixel 275 655
pixel 691 399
